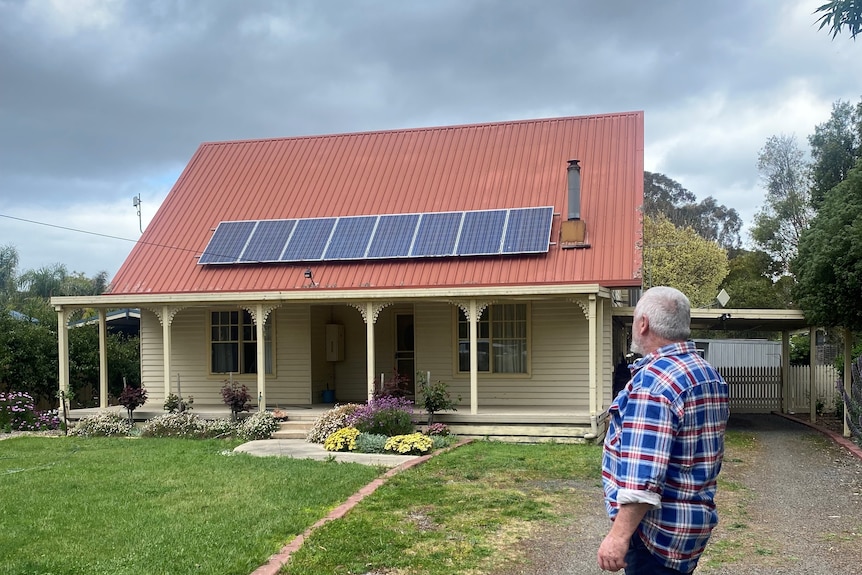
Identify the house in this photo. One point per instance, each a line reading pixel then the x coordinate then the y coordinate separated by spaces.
pixel 486 256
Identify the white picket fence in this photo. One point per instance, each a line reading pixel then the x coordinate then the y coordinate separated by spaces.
pixel 825 380
pixel 759 389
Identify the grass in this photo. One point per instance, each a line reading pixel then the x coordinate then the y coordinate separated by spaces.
pixel 131 506
pixel 122 506
pixel 452 513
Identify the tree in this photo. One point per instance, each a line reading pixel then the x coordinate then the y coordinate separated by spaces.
pixel 786 211
pixel 750 284
pixel 828 266
pixel 838 14
pixel 682 259
pixel 8 271
pixel 835 146
pixel 709 219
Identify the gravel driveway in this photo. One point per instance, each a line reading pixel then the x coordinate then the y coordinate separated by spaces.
pixel 790 503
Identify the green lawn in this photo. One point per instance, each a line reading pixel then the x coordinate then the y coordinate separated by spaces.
pixel 151 506
pixel 457 513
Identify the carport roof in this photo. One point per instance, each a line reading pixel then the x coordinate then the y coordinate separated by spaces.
pixel 734 319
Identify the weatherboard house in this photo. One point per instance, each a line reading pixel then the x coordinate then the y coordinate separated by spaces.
pixel 314 269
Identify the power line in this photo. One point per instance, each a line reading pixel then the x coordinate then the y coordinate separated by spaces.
pixel 57 226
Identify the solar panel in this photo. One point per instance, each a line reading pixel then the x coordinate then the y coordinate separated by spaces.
pixel 350 239
pixel 268 240
pixel 437 234
pixel 227 242
pixel 394 236
pixel 481 233
pixel 308 241
pixel 528 230
pixel 433 234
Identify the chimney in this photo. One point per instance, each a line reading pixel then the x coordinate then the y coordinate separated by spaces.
pixel 574 179
pixel 573 231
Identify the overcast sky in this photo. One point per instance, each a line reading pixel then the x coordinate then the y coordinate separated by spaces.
pixel 104 100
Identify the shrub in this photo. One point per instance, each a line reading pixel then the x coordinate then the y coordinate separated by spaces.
pixel 435 397
pixel 175 403
pixel 413 443
pixel 441 441
pixel 108 424
pixel 342 440
pixel 371 443
pixel 396 385
pixel 132 398
pixel 175 425
pixel 235 396
pixel 214 428
pixel 260 425
pixel 436 429
pixel 330 422
pixel 18 413
pixel 384 415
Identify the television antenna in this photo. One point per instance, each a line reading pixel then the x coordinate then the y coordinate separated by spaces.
pixel 136 201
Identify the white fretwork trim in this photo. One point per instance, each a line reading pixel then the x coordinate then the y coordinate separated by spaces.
pixel 481 306
pixel 584 304
pixel 376 308
pixel 172 311
pixel 252 310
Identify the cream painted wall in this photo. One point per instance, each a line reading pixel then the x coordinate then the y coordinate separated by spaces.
pixel 290 384
pixel 559 374
pixel 559 347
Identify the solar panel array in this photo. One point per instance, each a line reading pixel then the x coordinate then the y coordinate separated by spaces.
pixel 387 236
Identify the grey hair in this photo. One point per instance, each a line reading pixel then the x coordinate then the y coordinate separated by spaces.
pixel 668 311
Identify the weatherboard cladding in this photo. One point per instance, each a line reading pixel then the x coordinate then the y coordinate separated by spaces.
pixel 461 168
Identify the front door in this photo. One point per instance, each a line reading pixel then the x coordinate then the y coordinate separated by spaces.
pixel 405 362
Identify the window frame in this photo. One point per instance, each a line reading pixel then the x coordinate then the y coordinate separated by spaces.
pixel 243 344
pixel 488 320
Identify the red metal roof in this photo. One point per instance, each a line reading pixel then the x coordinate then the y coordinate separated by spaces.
pixel 500 165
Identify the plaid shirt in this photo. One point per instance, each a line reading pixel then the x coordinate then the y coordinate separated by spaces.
pixel 664 446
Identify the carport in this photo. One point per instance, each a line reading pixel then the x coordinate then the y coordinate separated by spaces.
pixel 785 321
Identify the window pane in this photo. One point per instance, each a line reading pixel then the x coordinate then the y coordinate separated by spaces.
pixel 249 357
pixel 225 358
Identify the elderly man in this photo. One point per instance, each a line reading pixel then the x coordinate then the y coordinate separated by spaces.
pixel 664 446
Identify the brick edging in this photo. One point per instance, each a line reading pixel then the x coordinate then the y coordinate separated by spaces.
pixel 277 561
pixel 844 442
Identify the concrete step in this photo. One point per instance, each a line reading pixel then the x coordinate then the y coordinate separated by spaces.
pixel 293 429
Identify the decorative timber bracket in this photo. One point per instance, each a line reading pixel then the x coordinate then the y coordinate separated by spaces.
pixel 376 308
pixel 464 306
pixel 166 313
pixel 252 310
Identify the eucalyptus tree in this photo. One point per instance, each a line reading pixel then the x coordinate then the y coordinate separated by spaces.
pixel 786 210
pixel 710 220
pixel 840 14
pixel 835 146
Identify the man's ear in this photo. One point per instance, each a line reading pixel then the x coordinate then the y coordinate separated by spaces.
pixel 641 325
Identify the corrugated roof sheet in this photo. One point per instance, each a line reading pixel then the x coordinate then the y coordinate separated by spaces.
pixel 473 167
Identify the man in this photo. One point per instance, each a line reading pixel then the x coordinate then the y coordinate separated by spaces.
pixel 664 446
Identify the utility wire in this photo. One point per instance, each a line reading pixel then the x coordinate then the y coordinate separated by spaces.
pixel 57 226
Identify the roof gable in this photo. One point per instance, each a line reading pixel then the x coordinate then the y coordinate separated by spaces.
pixel 461 168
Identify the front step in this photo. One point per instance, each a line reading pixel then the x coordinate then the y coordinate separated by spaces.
pixel 293 429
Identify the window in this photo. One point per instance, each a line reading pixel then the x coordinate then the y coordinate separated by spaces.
pixel 501 339
pixel 233 338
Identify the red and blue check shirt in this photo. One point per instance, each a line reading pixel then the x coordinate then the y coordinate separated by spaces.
pixel 664 446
